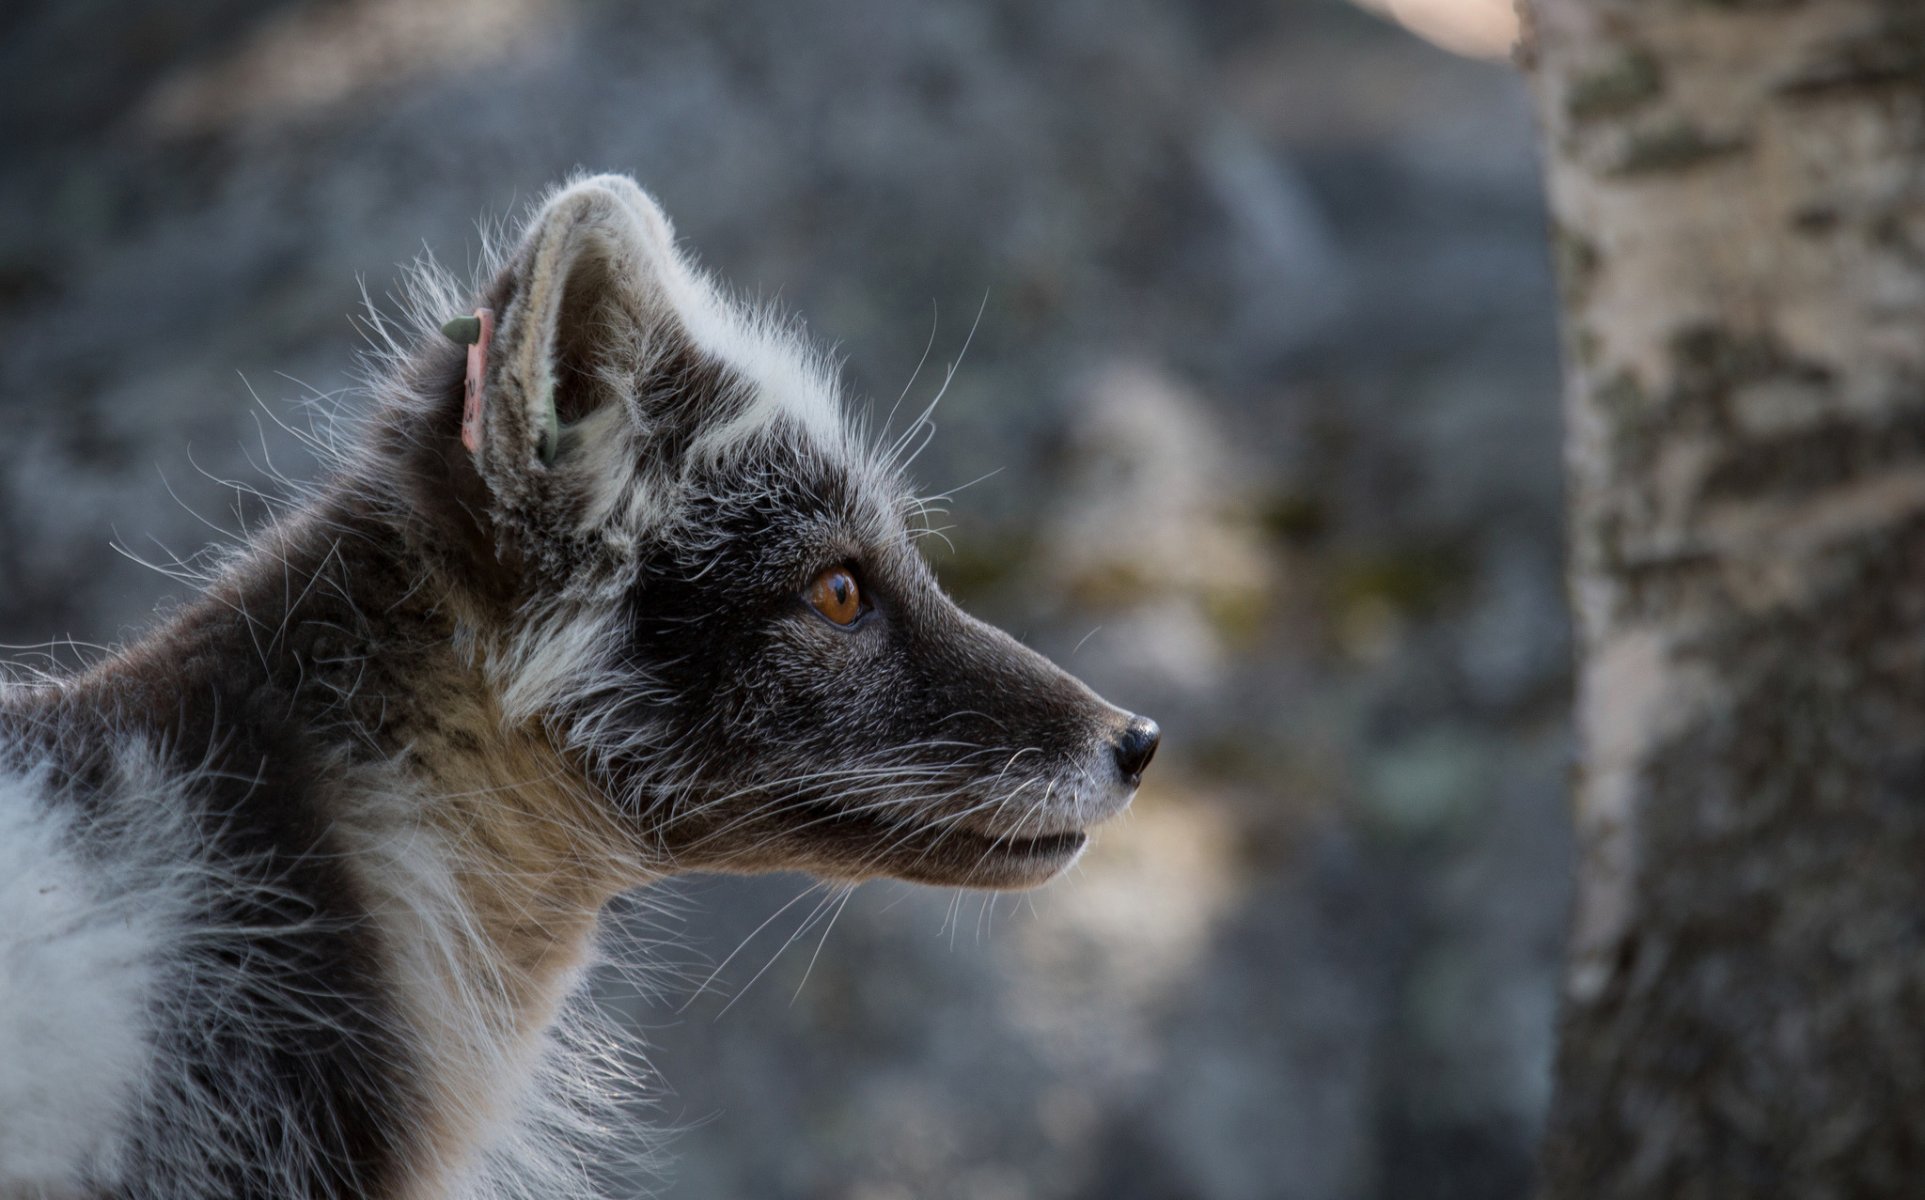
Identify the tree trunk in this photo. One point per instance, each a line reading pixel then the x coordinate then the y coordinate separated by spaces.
pixel 1738 191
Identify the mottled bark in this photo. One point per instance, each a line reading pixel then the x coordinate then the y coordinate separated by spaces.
pixel 1738 190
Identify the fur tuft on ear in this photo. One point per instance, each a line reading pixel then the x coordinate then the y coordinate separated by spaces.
pixel 616 374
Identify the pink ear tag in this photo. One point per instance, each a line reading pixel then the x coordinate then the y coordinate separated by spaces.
pixel 477 331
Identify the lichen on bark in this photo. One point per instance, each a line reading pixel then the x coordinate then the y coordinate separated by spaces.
pixel 1746 442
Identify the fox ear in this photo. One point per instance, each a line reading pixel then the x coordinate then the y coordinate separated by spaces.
pixel 590 303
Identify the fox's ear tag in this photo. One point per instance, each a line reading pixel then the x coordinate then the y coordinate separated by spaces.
pixel 474 332
pixel 463 331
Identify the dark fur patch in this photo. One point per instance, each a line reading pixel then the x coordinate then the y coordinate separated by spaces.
pixel 297 1012
pixel 342 1071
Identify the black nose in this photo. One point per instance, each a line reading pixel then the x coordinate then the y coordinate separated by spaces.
pixel 1137 747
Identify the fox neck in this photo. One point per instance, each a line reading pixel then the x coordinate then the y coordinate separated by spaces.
pixel 482 858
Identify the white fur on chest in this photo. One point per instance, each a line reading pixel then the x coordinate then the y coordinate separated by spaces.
pixel 78 966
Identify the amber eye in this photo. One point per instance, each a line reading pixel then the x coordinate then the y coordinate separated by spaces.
pixel 835 595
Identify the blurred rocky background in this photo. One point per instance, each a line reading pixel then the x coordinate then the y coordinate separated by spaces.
pixel 1259 430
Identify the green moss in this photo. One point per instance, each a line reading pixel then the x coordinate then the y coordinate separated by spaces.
pixel 1634 78
pixel 1622 396
pixel 1240 616
pixel 1411 582
pixel 1711 361
pixel 1234 757
pixel 1626 407
pixel 1294 517
pixel 1888 56
pixel 1714 352
pixel 1576 259
pixel 978 564
pixel 1678 146
pixel 1584 345
pixel 1115 584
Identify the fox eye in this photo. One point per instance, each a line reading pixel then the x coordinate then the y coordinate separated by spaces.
pixel 834 594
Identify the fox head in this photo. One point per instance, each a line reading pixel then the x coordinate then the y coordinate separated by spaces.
pixel 680 561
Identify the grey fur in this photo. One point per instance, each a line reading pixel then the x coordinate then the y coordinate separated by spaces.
pixel 413 737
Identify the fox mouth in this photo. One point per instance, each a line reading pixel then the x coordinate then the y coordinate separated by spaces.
pixel 966 858
pixel 948 854
pixel 1047 846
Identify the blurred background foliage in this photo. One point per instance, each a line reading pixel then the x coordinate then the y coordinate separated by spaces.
pixel 1259 428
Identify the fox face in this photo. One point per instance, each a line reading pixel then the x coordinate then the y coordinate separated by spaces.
pixel 688 569
pixel 845 716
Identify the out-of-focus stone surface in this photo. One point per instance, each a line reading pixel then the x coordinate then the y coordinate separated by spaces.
pixel 1261 377
pixel 1153 530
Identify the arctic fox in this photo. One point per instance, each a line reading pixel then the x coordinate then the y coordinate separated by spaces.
pixel 295 890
